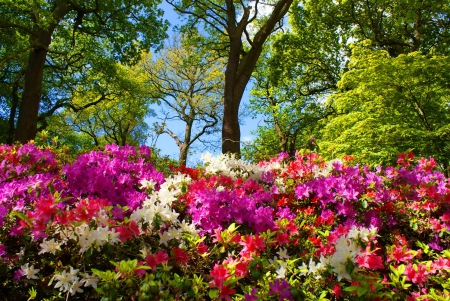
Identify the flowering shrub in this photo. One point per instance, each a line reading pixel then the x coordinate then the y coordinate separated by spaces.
pixel 109 226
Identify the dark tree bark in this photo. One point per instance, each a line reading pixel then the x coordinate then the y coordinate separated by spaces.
pixel 240 68
pixel 240 63
pixel 29 107
pixel 13 112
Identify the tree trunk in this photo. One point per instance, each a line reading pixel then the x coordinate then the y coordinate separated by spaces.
pixel 231 134
pixel 29 107
pixel 12 113
pixel 183 154
pixel 240 67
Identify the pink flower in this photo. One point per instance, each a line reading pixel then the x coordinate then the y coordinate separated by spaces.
pixel 370 261
pixel 219 274
pixel 417 273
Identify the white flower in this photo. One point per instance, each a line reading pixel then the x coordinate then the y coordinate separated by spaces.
pixel 63 281
pixel 75 287
pixel 341 272
pixel 90 280
pixel 66 280
pixel 353 233
pixel 313 268
pixel 29 272
pixel 283 254
pixel 113 237
pixel 189 228
pixel 49 246
pixel 174 233
pixel 303 269
pixel 220 188
pixel 148 184
pixel 281 269
pixel 164 238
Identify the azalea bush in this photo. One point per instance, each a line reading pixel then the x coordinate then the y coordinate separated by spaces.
pixel 108 226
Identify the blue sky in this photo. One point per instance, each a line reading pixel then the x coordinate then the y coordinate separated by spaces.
pixel 166 144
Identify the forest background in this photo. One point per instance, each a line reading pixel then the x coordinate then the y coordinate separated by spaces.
pixel 363 78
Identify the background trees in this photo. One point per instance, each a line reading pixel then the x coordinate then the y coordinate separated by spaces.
pixel 366 78
pixel 56 34
pixel 118 116
pixel 237 31
pixel 189 84
pixel 390 105
pixel 384 95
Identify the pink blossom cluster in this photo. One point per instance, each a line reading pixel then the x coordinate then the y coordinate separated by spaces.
pixel 29 175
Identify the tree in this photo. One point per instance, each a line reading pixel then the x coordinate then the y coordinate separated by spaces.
pixel 300 66
pixel 309 59
pixel 188 83
pixel 398 26
pixel 121 105
pixel 122 27
pixel 391 105
pixel 237 31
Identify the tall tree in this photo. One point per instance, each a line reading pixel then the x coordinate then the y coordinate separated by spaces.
pixel 188 83
pixel 123 27
pixel 238 31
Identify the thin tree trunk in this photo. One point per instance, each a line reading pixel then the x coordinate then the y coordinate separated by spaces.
pixel 13 112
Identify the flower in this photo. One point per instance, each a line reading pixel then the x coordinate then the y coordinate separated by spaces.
pixel 49 246
pixel 29 271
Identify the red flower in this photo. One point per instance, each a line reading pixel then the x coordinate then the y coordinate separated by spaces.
pixel 225 292
pixel 337 290
pixel 282 238
pixel 241 269
pixel 417 273
pixel 181 257
pixel 370 261
pixel 45 208
pixel 202 248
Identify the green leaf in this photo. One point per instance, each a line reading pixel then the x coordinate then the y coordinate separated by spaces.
pixel 213 293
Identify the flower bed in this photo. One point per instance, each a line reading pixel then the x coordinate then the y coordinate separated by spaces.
pixel 109 226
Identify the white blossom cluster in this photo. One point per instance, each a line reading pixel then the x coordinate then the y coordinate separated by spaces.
pixel 347 249
pixel 228 165
pixel 325 171
pixel 84 236
pixel 70 282
pixel 159 204
pixel 280 264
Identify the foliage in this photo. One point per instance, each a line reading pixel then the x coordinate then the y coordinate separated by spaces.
pixel 57 42
pixel 112 110
pixel 398 27
pixel 188 84
pixel 319 231
pixel 390 105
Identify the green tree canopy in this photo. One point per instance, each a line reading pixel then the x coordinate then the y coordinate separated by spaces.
pixel 113 110
pixel 388 105
pixel 63 33
pixel 237 31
